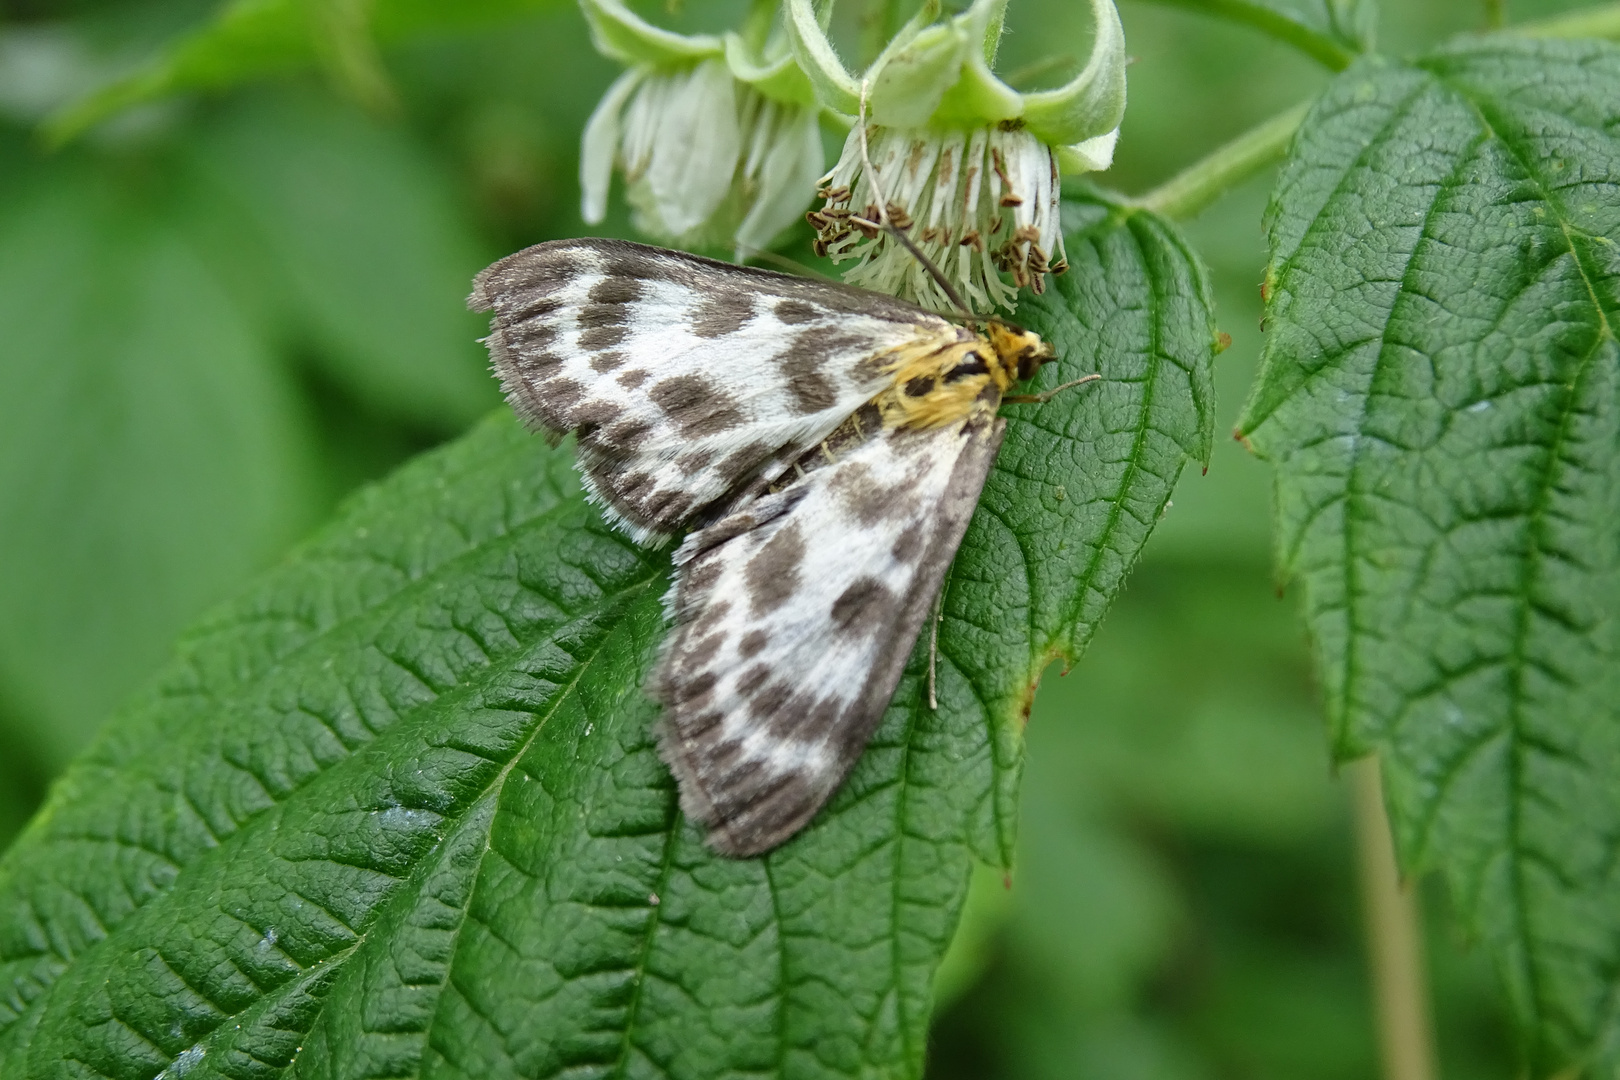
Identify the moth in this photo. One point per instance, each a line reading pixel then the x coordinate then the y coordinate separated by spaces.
pixel 821 447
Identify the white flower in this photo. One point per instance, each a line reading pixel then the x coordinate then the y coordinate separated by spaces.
pixel 967 167
pixel 978 204
pixel 717 145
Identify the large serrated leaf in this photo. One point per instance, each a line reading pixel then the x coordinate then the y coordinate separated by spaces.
pixel 1439 395
pixel 398 811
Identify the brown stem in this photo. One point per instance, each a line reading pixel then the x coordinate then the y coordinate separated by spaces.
pixel 1394 936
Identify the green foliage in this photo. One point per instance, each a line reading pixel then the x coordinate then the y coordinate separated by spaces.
pixel 359 250
pixel 158 444
pixel 251 39
pixel 1439 397
pixel 398 809
pixel 1333 32
pixel 158 457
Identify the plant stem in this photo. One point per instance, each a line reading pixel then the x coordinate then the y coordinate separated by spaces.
pixel 1205 180
pixel 1313 43
pixel 1594 22
pixel 1495 13
pixel 1394 936
pixel 1201 183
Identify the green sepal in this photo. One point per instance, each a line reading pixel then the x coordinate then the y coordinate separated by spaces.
pixel 780 79
pixel 1094 102
pixel 834 86
pixel 940 76
pixel 620 34
pixel 910 85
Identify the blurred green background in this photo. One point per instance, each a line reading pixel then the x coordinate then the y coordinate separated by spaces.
pixel 218 315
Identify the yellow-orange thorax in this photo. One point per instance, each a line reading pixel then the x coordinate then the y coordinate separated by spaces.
pixel 939 381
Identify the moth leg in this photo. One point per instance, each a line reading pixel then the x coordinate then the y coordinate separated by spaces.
pixel 933 648
pixel 1046 395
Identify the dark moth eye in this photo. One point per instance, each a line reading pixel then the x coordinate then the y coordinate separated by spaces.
pixel 972 364
pixel 1029 362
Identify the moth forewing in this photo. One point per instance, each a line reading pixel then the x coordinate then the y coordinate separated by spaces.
pixel 827 444
pixel 681 377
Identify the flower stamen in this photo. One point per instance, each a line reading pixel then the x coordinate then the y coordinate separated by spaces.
pixel 990 196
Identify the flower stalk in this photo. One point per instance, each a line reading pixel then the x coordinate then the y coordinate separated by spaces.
pixel 1207 179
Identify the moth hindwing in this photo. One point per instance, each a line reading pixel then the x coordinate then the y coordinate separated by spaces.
pixel 824 445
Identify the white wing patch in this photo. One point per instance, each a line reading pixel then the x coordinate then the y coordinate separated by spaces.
pixel 794 617
pixel 687 381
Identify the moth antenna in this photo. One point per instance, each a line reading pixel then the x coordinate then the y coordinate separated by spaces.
pixel 965 313
pixel 962 310
pixel 1047 395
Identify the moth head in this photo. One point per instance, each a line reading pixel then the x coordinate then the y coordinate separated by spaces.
pixel 1021 351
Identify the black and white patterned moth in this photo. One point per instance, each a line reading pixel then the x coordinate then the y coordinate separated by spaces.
pixel 822 446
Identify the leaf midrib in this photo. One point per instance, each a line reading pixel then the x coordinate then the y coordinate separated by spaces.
pixel 623 599
pixel 1341 710
pixel 1116 505
pixel 655 921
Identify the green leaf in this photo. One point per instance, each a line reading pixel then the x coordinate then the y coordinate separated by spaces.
pixel 398 810
pixel 1082 480
pixel 1333 32
pixel 151 449
pixel 1438 393
pixel 363 247
pixel 250 39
